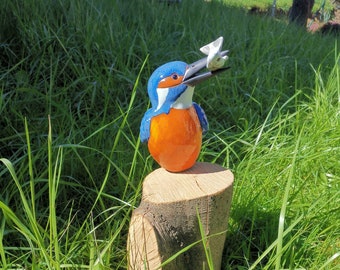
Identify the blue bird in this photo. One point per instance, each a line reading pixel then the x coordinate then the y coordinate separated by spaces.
pixel 174 124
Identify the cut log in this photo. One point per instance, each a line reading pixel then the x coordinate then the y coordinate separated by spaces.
pixel 166 225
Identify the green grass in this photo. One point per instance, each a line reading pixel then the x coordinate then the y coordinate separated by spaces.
pixel 73 81
pixel 284 4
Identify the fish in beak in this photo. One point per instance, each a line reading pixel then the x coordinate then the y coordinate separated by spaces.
pixel 214 62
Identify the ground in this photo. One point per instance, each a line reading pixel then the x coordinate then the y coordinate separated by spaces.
pixel 333 25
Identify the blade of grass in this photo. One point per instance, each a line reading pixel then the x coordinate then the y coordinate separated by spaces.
pixel 205 242
pixel 329 261
pixel 2 250
pixel 35 235
pixel 53 182
pixel 283 211
pixel 30 168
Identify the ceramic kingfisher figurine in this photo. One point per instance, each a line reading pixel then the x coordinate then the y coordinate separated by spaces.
pixel 174 125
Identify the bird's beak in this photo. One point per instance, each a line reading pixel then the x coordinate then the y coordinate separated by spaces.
pixel 192 75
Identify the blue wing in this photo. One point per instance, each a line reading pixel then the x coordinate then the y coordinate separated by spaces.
pixel 145 126
pixel 202 117
pixel 146 121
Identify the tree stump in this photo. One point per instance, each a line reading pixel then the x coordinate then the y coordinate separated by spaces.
pixel 176 211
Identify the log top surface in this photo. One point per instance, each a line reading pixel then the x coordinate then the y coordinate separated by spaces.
pixel 203 179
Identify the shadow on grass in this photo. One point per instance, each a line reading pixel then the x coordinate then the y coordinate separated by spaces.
pixel 249 235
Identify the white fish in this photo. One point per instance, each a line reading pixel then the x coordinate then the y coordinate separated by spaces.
pixel 214 60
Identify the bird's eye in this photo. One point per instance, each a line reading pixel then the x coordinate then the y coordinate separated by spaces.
pixel 170 81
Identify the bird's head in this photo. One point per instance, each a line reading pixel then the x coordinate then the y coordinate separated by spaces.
pixel 172 84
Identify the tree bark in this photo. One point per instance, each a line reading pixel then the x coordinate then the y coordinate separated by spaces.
pixel 300 11
pixel 168 219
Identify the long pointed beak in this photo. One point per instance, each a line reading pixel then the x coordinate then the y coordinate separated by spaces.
pixel 193 76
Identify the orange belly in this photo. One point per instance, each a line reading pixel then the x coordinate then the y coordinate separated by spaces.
pixel 175 139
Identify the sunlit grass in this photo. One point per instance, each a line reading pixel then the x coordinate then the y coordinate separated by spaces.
pixel 73 81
